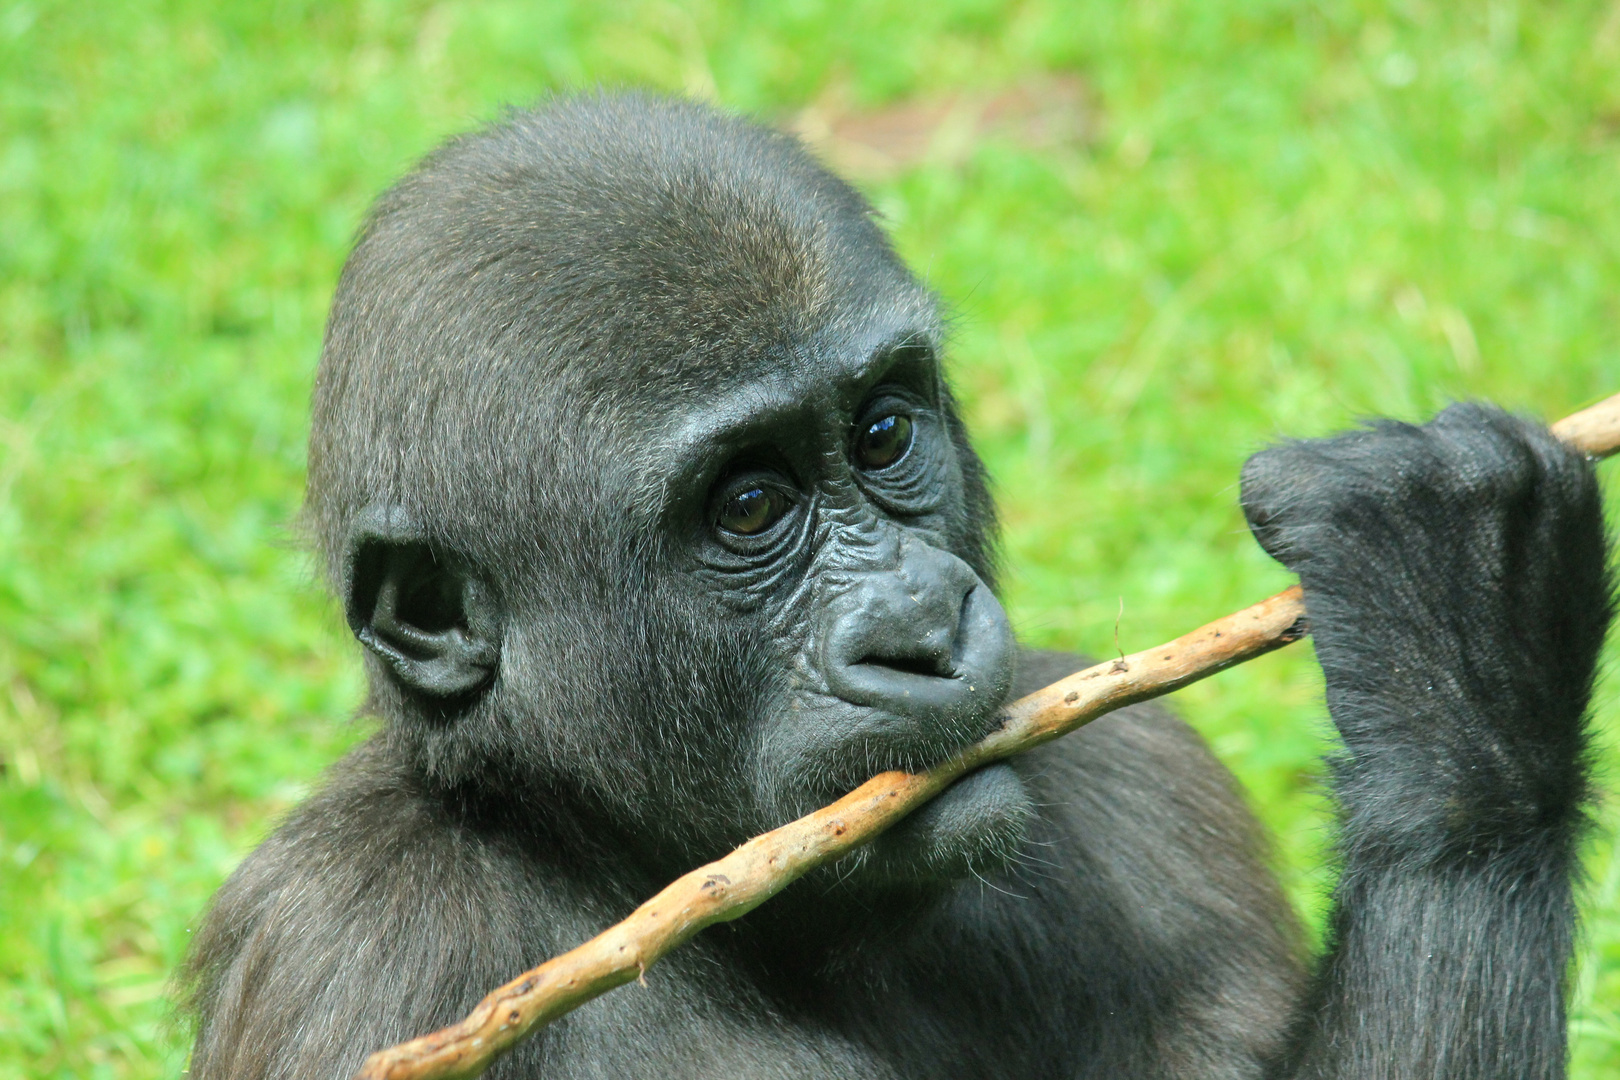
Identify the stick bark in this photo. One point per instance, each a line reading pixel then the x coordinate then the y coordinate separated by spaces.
pixel 736 884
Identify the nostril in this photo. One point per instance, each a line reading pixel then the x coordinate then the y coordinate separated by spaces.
pixel 933 667
pixel 929 656
pixel 913 650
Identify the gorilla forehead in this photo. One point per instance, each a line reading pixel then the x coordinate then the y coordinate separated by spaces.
pixel 535 288
pixel 659 239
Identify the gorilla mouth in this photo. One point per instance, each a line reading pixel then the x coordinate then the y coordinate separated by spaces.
pixel 887 742
pixel 819 746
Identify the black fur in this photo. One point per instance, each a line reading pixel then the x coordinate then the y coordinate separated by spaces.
pixel 1456 580
pixel 565 354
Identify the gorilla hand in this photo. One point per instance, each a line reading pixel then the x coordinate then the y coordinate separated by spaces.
pixel 1455 578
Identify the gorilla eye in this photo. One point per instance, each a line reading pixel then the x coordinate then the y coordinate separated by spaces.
pixel 753 511
pixel 883 443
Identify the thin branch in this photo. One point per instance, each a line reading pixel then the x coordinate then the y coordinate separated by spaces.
pixel 1594 430
pixel 733 886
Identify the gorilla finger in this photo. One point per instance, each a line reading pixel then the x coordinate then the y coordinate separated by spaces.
pixel 1276 486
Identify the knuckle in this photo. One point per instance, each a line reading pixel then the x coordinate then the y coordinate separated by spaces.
pixel 1256 480
pixel 1488 460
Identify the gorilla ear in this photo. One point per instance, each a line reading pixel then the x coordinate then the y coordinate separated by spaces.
pixel 420 611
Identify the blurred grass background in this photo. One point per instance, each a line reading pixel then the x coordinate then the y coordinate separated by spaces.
pixel 1253 218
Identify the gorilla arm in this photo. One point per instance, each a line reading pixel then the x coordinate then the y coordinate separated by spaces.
pixel 1457 580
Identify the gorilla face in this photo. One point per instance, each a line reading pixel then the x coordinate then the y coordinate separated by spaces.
pixel 827 508
pixel 645 488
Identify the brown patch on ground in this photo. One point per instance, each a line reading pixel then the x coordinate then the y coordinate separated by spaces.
pixel 1042 112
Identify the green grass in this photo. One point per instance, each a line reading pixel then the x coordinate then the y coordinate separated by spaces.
pixel 1289 215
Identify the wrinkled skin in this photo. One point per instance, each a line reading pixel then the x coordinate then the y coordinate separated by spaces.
pixel 891 652
pixel 642 487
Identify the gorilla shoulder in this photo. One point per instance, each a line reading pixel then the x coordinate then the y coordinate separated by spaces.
pixel 374 913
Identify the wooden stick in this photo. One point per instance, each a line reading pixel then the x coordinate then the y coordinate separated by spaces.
pixel 736 884
pixel 1594 430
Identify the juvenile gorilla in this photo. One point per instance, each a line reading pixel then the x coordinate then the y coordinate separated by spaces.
pixel 637 475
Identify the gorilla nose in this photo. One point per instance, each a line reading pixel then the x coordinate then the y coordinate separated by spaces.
pixel 925 637
pixel 918 651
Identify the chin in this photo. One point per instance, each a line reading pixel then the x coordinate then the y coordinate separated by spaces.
pixel 974 826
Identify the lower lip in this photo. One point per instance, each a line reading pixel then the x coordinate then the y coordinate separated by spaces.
pixel 996 781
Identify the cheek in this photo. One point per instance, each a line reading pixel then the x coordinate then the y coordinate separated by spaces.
pixel 716 676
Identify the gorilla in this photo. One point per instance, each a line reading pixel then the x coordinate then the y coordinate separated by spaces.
pixel 638 478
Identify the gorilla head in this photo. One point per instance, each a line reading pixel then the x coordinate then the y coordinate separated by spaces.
pixel 634 465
